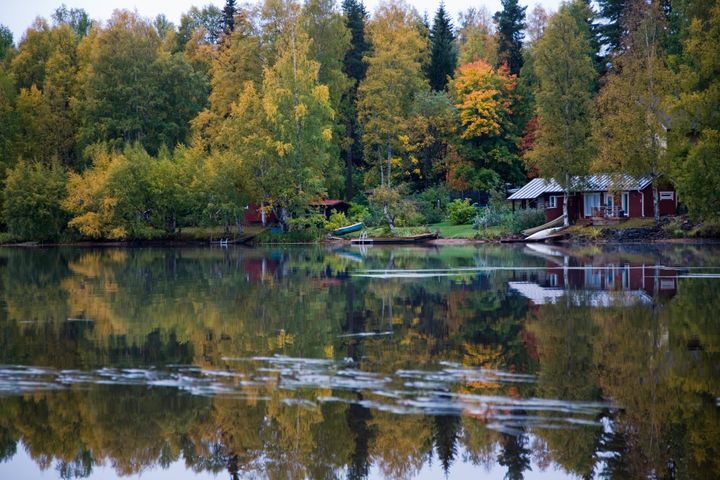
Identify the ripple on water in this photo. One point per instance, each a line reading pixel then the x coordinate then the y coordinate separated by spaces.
pixel 426 392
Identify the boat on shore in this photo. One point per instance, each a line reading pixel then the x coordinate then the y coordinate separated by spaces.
pixel 348 229
pixel 423 237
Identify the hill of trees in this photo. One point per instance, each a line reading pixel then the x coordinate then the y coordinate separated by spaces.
pixel 135 128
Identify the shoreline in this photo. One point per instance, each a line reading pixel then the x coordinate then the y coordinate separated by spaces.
pixel 436 242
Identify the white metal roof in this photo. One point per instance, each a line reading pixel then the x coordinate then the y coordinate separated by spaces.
pixel 589 183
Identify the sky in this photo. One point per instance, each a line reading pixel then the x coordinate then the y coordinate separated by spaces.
pixel 19 14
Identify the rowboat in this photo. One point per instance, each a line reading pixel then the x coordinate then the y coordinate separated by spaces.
pixel 543 234
pixel 349 228
pixel 423 237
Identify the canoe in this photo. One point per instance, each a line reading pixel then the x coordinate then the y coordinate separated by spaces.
pixel 423 237
pixel 552 223
pixel 349 228
pixel 543 234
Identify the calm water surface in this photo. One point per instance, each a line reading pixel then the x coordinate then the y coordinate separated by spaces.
pixel 455 362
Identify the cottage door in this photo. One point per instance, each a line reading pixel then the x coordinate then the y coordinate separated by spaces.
pixel 591 200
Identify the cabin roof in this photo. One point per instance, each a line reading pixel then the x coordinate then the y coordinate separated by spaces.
pixel 588 183
pixel 328 203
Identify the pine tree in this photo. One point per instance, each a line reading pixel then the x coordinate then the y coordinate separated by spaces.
pixel 229 16
pixel 613 13
pixel 443 54
pixel 510 25
pixel 355 67
pixel 566 79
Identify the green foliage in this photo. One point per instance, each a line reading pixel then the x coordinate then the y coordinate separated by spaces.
pixel 526 218
pixel 31 201
pixel 392 207
pixel 359 213
pixel 443 52
pixel 394 77
pixel 133 92
pixel 510 25
pixel 6 41
pixel 461 212
pixel 432 204
pixel 566 78
pixel 336 220
pixel 695 138
pixel 128 195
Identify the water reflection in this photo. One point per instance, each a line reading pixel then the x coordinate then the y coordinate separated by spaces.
pixel 380 362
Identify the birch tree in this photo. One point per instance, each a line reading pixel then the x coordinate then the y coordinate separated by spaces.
pixel 394 77
pixel 564 68
pixel 632 123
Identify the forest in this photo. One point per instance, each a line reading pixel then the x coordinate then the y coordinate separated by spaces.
pixel 136 128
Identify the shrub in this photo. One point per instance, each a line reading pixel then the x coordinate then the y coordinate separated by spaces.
pixel 400 210
pixel 432 204
pixel 461 212
pixel 336 220
pixel 524 219
pixel 491 217
pixel 359 213
pixel 32 197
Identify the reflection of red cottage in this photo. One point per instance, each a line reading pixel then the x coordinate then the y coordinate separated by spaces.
pixel 609 196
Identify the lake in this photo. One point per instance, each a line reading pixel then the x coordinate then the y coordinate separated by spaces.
pixel 505 362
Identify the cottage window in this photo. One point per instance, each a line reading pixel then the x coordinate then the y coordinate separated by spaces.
pixel 552 201
pixel 625 203
pixel 667 195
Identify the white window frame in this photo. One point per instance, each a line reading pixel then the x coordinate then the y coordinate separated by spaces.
pixel 625 203
pixel 609 200
pixel 667 195
pixel 552 202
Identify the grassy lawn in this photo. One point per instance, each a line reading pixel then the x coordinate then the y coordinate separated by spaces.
pixel 215 233
pixel 448 230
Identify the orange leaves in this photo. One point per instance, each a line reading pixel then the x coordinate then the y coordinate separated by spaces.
pixel 484 98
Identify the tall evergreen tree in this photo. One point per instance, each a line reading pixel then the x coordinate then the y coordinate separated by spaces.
pixel 355 67
pixel 510 25
pixel 229 16
pixel 611 30
pixel 443 54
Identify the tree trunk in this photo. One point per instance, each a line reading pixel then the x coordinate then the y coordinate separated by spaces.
pixel 239 225
pixel 284 220
pixel 348 164
pixel 390 220
pixel 566 199
pixel 656 202
pixel 389 159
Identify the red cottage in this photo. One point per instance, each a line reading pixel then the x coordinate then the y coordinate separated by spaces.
pixel 593 196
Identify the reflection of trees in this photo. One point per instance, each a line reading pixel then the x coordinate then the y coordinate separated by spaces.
pixel 514 455
pixel 565 348
pixel 158 307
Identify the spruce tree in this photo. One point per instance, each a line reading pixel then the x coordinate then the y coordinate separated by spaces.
pixel 354 67
pixel 443 54
pixel 510 23
pixel 229 16
pixel 611 30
